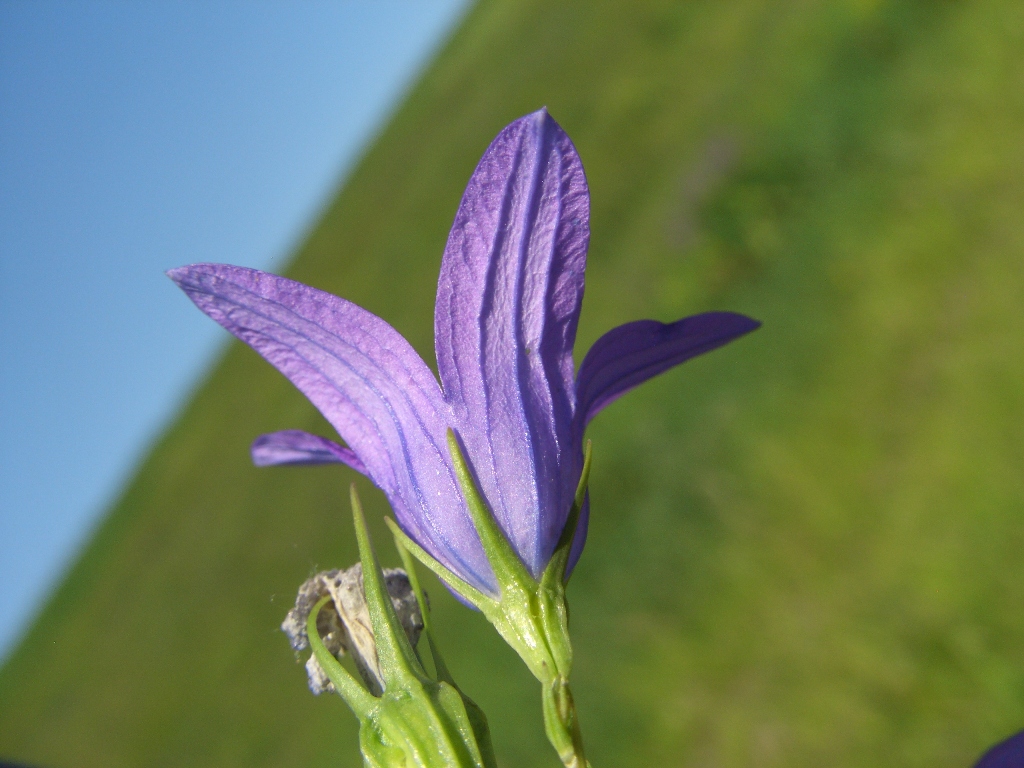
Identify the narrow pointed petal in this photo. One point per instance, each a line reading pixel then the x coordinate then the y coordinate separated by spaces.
pixel 295 447
pixel 369 383
pixel 508 300
pixel 629 355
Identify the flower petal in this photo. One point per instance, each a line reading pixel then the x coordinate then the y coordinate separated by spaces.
pixel 293 446
pixel 369 383
pixel 629 355
pixel 508 300
pixel 580 538
pixel 1006 754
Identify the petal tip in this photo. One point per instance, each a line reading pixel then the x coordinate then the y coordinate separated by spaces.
pixel 176 274
pixel 732 324
pixel 540 121
pixel 187 273
pixel 750 323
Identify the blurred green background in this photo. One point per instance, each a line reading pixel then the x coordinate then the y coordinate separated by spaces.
pixel 805 548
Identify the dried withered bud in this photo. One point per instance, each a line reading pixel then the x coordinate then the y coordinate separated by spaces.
pixel 344 622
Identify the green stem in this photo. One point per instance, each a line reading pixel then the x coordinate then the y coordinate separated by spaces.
pixel 562 724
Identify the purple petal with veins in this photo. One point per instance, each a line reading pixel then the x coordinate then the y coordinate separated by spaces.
pixel 508 302
pixel 295 447
pixel 627 356
pixel 368 382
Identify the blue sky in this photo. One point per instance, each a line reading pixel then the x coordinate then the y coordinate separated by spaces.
pixel 135 137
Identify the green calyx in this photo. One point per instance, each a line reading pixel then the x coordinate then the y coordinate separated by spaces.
pixel 530 614
pixel 418 720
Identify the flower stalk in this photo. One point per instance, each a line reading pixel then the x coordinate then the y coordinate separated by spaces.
pixel 561 723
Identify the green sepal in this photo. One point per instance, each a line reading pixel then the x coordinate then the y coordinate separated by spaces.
pixel 359 700
pixel 440 668
pixel 395 654
pixel 530 615
pixel 505 563
pixel 472 594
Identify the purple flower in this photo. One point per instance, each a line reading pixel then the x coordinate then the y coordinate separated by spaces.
pixel 1006 754
pixel 508 301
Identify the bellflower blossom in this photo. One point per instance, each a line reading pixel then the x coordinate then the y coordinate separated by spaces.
pixel 508 302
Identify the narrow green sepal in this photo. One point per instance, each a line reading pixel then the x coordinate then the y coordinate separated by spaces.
pixel 440 668
pixel 503 559
pixel 358 698
pixel 530 615
pixel 395 654
pixel 472 594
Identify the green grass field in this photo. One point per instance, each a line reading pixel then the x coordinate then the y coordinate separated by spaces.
pixel 805 548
